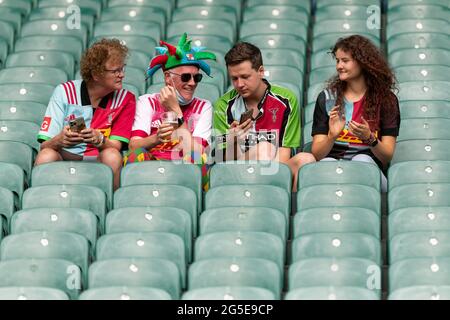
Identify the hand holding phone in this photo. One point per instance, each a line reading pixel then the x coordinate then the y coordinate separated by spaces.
pixel 245 116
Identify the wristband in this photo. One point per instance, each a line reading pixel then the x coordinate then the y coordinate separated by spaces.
pixel 102 141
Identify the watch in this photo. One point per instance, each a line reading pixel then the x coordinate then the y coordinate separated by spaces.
pixel 372 141
pixel 180 121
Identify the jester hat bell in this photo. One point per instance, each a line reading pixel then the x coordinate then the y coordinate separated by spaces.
pixel 171 57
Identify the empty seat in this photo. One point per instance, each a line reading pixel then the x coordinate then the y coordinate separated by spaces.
pixel 32 293
pixel 321 75
pixel 424 90
pixel 301 4
pixel 415 25
pixel 269 26
pixel 346 11
pixel 164 5
pixel 418 40
pixel 125 293
pixel 88 6
pixel 290 74
pixel 356 26
pixel 11 16
pixel 19 131
pixel 65 13
pixel 425 109
pixel 34 74
pixel 12 178
pixel 22 6
pixel 229 293
pixel 136 272
pixel 278 41
pixel 7 33
pixel 425 292
pixel 413 129
pixel 276 12
pixel 432 149
pixel 205 12
pixel 320 59
pixel 17 153
pixel 425 73
pixel 33 92
pixel 394 3
pixel 218 28
pixel 237 271
pixel 133 42
pixel 235 4
pixel 148 29
pixel 419 194
pixel 135 13
pixel 321 4
pixel 67 44
pixel 6 205
pixel 326 41
pixel 422 57
pixel 331 293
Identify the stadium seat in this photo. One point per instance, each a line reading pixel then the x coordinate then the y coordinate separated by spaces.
pixel 419 194
pixel 11 16
pixel 418 172
pixel 309 112
pixel 133 42
pixel 206 12
pixel 136 272
pixel 159 196
pixel 331 293
pixel 355 26
pixel 51 273
pixel 326 41
pixel 336 245
pixel 321 75
pixel 75 173
pixel 42 58
pixel 394 3
pixel 425 73
pixel 432 149
pixel 336 196
pixel 434 128
pixel 135 13
pixel 424 90
pixel 17 153
pixel 152 219
pixel 164 172
pixel 236 271
pixel 419 271
pixel 212 42
pixel 257 172
pixel 7 33
pixel 218 28
pixel 339 172
pixel 47 245
pixel 411 219
pixel 418 40
pixel 3 52
pixel 423 57
pixel 324 3
pixel 275 73
pixel 120 28
pixel 164 5
pixel 229 293
pixel 276 12
pixel 86 6
pixel 13 179
pixel 307 138
pixel 433 244
pixel 19 131
pixel 421 12
pixel 22 6
pixel 338 220
pixel 320 59
pixel 74 220
pixel 32 293
pixel 64 13
pixel 67 44
pixel 425 109
pixel 67 196
pixel 33 74
pixel 414 25
pixel 235 4
pixel 335 272
pixel 278 41
pixel 305 5
pixel 278 57
pixel 269 26
pixel 6 206
pixel 425 292
pixel 240 244
pixel 242 219
pixel 345 11
pixel 160 245
pixel 124 293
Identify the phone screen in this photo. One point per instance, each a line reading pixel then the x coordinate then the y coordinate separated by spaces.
pixel 245 116
pixel 77 124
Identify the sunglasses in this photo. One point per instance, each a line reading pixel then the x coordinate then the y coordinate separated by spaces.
pixel 185 77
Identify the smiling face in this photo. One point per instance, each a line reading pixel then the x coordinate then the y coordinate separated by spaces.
pixel 246 80
pixel 186 89
pixel 347 67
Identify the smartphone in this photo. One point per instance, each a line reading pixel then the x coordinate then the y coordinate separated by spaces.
pixel 77 124
pixel 245 116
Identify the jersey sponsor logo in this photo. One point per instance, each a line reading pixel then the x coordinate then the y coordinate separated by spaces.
pixel 46 124
pixel 274 112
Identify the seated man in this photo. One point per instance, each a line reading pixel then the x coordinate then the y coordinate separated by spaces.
pixel 272 125
pixel 189 134
pixel 90 119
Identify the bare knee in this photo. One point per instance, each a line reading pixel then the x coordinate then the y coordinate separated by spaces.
pixel 265 151
pixel 47 155
pixel 111 157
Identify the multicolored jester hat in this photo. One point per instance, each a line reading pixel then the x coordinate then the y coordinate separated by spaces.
pixel 183 54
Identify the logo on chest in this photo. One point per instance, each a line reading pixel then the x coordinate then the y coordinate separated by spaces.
pixel 273 112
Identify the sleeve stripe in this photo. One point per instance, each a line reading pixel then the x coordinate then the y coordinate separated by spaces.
pixel 124 94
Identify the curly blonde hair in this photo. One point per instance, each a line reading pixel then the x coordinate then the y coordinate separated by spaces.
pixel 94 58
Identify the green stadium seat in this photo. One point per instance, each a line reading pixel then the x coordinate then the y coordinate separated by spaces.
pixel 415 25
pixel 305 5
pixel 47 245
pixel 418 172
pixel 326 41
pixel 345 11
pixel 152 219
pixel 307 138
pixel 136 272
pixel 336 245
pixel 11 16
pixel 19 131
pixel 75 173
pixel 67 44
pixel 67 196
pixel 334 272
pixel 147 29
pixel 91 7
pixel 276 12
pixel 158 196
pixel 135 13
pixel 394 3
pixel 236 271
pixel 324 3
pixel 339 172
pixel 206 12
pixel 205 27
pixel 418 12
pixel 418 40
pixel 42 58
pixel 338 220
pixel 244 219
pixel 269 26
pixel 419 244
pixel 432 149
pixel 425 292
pixel 137 59
pixel 355 26
pixel 419 194
pixel 337 195
pixel 13 179
pixel 247 195
pixel 423 57
pixel 6 206
pixel 321 59
pixel 427 128
pixel 17 153
pixel 64 13
pixel 424 90
pixel 51 273
pixel 425 73
pixel 164 5
pixel 331 293
pixel 411 219
pixel 160 245
pixel 235 4
pixel 124 293
pixel 309 112
pixel 278 41
pixel 211 42
pixel 74 220
pixel 321 75
pixel 425 109
pixel 22 6
pixel 284 73
pixel 278 57
pixel 418 272
pixel 32 293
pixel 133 42
pixel 3 52
pixel 229 293
pixel 240 244
pixel 33 74
pixel 256 172
pixel 7 33
pixel 136 77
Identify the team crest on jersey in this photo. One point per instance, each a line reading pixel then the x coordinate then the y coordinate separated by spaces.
pixel 46 124
pixel 274 111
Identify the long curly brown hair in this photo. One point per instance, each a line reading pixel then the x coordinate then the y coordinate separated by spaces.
pixel 379 78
